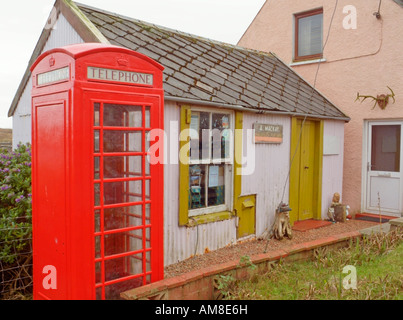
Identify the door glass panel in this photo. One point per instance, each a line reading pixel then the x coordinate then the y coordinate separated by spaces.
pixel 123 217
pixel 122 196
pixel 148 117
pixel 97 168
pixel 123 192
pixel 113 291
pixel 123 141
pixel 123 167
pixel 123 267
pixel 96 141
pixel 128 241
pixel 123 116
pixel 385 148
pixel 96 114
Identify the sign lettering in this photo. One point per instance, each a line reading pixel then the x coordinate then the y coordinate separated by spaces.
pixel 53 76
pixel 120 76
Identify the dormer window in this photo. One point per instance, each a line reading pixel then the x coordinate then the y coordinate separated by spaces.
pixel 308 35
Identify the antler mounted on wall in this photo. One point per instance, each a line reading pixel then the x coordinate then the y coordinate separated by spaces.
pixel 382 100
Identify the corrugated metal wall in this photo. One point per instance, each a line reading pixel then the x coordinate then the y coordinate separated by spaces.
pixel 271 169
pixel 62 34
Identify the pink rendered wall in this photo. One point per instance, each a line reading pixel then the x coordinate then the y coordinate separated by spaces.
pixel 365 60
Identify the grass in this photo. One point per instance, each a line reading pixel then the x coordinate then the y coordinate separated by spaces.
pixel 377 261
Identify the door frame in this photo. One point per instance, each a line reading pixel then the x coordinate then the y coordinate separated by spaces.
pixel 366 160
pixel 294 183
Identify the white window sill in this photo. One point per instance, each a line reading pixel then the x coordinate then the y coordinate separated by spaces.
pixel 299 63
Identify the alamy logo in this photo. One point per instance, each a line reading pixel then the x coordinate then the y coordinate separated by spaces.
pixel 50 280
pixel 350 20
pixel 350 281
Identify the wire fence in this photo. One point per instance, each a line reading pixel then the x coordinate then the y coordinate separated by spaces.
pixel 16 281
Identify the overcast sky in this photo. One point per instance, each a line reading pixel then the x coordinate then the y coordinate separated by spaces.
pixel 22 21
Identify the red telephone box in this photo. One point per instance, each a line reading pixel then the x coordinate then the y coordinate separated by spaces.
pixel 97 200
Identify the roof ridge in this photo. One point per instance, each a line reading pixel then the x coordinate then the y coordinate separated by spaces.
pixel 171 30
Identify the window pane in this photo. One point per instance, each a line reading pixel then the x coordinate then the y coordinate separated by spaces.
pixel 200 135
pixel 123 116
pixel 197 194
pixel 123 141
pixel 385 155
pixel 220 147
pixel 216 185
pixel 310 34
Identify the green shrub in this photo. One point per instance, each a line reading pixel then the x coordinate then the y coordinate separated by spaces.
pixel 15 222
pixel 15 202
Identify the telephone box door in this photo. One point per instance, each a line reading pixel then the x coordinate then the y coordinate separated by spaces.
pixel 127 193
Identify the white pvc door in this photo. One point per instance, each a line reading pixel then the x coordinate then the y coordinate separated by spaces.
pixel 384 168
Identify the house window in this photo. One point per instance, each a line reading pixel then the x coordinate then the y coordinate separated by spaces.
pixel 308 35
pixel 210 163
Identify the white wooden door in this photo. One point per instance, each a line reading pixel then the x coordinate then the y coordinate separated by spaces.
pixel 384 167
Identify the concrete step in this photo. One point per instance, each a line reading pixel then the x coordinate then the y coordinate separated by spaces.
pixel 384 227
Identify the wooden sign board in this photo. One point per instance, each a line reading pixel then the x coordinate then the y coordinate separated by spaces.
pixel 268 133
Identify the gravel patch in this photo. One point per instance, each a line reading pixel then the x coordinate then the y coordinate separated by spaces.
pixel 252 247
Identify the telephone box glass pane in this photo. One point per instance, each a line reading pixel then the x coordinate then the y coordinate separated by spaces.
pixel 148 210
pixel 128 241
pixel 98 247
pixel 123 267
pixel 123 192
pixel 123 141
pixel 97 168
pixel 98 293
pixel 113 291
pixel 97 221
pixel 123 167
pixel 148 189
pixel 98 272
pixel 123 116
pixel 96 114
pixel 97 194
pixel 96 141
pixel 148 117
pixel 123 217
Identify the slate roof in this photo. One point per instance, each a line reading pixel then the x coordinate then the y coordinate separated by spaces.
pixel 399 2
pixel 200 69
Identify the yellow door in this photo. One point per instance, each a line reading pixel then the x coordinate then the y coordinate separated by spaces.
pixel 306 170
pixel 307 167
